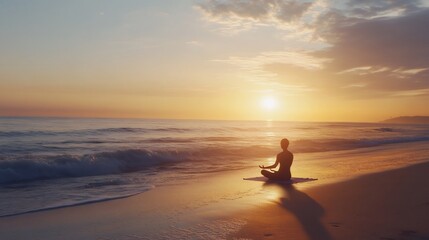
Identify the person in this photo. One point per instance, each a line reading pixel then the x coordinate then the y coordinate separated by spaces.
pixel 284 159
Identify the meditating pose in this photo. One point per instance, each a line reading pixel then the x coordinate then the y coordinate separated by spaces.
pixel 284 159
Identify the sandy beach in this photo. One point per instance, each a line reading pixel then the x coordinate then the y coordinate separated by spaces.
pixel 384 203
pixel 387 205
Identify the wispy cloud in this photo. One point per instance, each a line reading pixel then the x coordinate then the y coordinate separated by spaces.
pixel 195 43
pixel 300 59
pixel 412 93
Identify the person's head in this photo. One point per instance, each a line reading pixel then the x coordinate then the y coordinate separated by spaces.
pixel 284 143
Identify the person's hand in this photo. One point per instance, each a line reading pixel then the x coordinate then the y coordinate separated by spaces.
pixel 262 166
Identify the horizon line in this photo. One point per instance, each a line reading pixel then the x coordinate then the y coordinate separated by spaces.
pixel 182 119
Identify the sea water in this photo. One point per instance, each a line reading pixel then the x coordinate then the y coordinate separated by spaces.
pixel 55 162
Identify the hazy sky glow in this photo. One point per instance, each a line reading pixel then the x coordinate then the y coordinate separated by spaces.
pixel 355 60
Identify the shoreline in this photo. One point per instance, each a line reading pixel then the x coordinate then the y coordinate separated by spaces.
pixel 222 206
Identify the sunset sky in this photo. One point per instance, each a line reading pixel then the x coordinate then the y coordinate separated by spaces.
pixel 356 60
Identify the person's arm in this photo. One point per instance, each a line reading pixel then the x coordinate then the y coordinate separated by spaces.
pixel 272 166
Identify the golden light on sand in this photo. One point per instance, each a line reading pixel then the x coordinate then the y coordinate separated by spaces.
pixel 268 103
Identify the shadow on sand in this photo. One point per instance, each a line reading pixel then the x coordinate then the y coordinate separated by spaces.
pixel 304 208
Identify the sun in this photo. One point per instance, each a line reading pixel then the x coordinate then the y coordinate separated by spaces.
pixel 268 103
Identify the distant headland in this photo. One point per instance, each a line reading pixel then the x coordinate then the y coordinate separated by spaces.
pixel 409 120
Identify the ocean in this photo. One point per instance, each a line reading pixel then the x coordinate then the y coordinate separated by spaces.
pixel 49 163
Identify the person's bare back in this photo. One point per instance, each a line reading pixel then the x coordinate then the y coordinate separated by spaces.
pixel 284 159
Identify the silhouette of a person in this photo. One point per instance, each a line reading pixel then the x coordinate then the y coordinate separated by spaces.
pixel 284 159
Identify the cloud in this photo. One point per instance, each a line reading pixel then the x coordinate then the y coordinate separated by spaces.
pixel 412 93
pixel 372 47
pixel 388 53
pixel 257 69
pixel 300 59
pixel 372 9
pixel 238 15
pixel 194 43
pixel 395 42
pixel 255 10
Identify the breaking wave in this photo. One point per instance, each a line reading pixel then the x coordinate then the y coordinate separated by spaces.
pixel 104 163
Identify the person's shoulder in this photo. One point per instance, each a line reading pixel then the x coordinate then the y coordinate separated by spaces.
pixel 287 154
pixel 283 154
